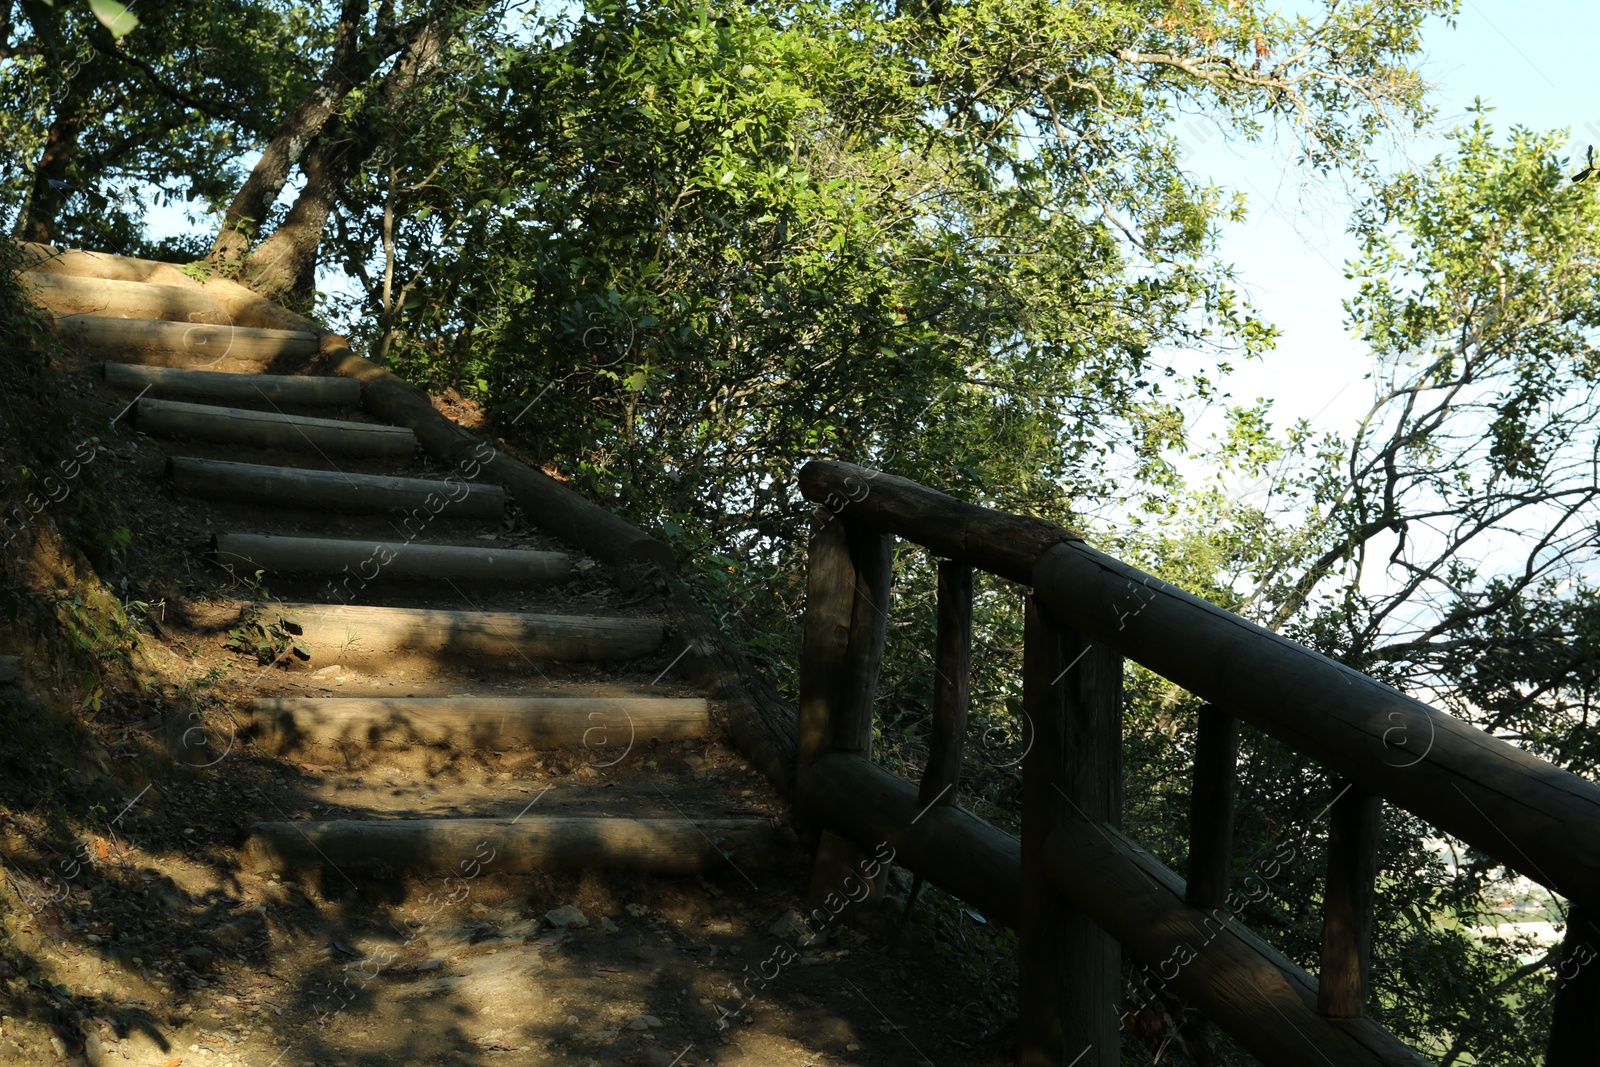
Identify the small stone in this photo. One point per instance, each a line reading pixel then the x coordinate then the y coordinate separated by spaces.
pixel 567 916
pixel 431 965
pixel 791 925
pixel 608 926
pixel 644 1022
pixel 198 957
pixel 852 1047
pixel 638 911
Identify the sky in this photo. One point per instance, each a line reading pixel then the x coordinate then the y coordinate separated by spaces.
pixel 1534 61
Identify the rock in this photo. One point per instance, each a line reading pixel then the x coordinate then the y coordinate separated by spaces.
pixel 638 911
pixel 791 926
pixel 644 1022
pixel 197 957
pixel 239 933
pixel 567 916
pixel 608 926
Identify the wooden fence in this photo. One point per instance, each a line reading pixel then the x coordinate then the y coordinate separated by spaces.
pixel 1076 889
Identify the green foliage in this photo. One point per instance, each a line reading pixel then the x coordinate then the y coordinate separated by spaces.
pixel 270 639
pixel 157 115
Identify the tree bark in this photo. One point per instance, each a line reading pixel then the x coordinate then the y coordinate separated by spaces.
pixel 37 220
pixel 351 65
pixel 285 261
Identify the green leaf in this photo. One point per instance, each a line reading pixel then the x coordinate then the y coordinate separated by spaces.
pixel 114 17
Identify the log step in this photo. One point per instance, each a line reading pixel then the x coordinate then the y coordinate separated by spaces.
pixel 310 490
pixel 191 345
pixel 245 390
pixel 610 726
pixel 350 634
pixel 528 843
pixel 365 560
pixel 66 294
pixel 271 429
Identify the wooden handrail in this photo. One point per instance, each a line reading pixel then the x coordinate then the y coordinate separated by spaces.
pixel 1072 863
pixel 1508 803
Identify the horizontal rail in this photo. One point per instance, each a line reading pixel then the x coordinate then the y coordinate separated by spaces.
pixel 1207 956
pixel 1213 961
pixel 994 541
pixel 1510 804
pixel 953 848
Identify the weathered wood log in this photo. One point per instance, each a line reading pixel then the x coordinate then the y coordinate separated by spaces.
pixel 469 847
pixel 67 294
pixel 610 727
pixel 1347 903
pixel 992 540
pixel 193 346
pixel 311 490
pixel 363 561
pixel 1264 1002
pixel 239 304
pixel 952 685
pixel 1575 1018
pixel 1069 970
pixel 271 429
pixel 1216 772
pixel 79 263
pixel 351 633
pixel 269 391
pixel 1505 802
pixel 555 508
pixel 762 725
pixel 847 595
pixel 949 846
pixel 1044 937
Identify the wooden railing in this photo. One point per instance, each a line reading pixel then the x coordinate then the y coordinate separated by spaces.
pixel 1076 889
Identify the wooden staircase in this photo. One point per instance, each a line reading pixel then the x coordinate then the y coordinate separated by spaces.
pixel 400 568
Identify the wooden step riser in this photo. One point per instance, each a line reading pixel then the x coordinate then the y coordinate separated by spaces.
pixel 331 491
pixel 265 392
pixel 269 429
pixel 191 346
pixel 611 728
pixel 353 564
pixel 352 635
pixel 468 847
pixel 66 294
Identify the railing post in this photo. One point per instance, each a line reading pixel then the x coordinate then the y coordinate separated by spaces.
pixel 1069 969
pixel 847 599
pixel 1216 773
pixel 1575 1022
pixel 1348 902
pixel 952 684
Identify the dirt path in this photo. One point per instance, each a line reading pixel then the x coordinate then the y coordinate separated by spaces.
pixel 140 931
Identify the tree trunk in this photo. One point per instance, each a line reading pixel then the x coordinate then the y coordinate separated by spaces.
pixel 284 262
pixel 351 65
pixel 49 192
